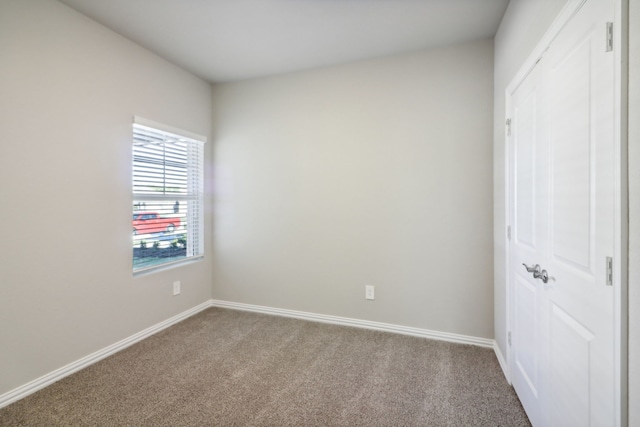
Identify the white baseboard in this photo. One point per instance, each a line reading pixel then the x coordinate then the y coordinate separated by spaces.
pixel 45 380
pixel 502 361
pixel 365 324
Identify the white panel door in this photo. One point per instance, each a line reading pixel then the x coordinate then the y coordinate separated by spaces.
pixel 562 213
pixel 581 221
pixel 529 149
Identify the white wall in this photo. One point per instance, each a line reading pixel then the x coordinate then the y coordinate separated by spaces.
pixel 68 91
pixel 634 213
pixel 522 26
pixel 376 172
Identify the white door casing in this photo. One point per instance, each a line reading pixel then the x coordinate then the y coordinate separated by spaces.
pixel 562 208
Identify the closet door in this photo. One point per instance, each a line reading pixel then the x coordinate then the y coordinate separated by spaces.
pixel 581 221
pixel 529 189
pixel 562 212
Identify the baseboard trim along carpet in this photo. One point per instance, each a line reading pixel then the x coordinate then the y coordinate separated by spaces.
pixel 45 380
pixel 366 324
pixel 501 361
pixel 50 378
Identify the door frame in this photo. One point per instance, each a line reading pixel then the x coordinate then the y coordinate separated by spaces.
pixel 621 195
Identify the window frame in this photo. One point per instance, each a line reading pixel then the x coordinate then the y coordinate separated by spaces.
pixel 194 169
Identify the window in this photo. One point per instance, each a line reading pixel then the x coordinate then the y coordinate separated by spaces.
pixel 167 195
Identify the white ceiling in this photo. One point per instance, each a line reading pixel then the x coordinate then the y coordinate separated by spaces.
pixel 225 40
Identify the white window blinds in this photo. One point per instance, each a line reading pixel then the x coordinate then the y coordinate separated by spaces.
pixel 167 195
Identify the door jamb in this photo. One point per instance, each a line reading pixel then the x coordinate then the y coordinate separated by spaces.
pixel 621 214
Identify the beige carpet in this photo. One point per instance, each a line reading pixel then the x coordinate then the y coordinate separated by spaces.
pixel 230 368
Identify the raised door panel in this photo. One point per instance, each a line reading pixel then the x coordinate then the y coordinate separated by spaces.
pixel 570 367
pixel 525 171
pixel 572 167
pixel 526 322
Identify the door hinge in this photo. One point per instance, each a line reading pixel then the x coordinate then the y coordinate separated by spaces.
pixel 609 47
pixel 609 271
pixel 509 338
pixel 508 123
pixel 508 232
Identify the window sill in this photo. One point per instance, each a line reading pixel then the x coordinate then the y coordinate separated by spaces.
pixel 167 266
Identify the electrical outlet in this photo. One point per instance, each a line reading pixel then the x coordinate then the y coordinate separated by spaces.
pixel 176 288
pixel 369 292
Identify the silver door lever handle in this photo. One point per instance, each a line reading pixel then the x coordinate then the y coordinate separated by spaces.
pixel 543 275
pixel 535 269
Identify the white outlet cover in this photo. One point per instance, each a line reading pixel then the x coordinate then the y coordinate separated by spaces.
pixel 369 292
pixel 176 288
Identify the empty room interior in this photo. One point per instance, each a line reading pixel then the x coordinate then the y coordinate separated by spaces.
pixel 332 204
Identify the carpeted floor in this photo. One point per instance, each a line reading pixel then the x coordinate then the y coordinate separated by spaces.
pixel 231 368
